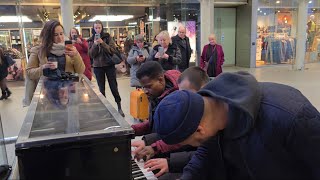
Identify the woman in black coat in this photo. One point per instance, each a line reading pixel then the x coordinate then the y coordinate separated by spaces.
pixel 166 53
pixel 3 74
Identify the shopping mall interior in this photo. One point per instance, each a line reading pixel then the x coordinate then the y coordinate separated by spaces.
pixel 274 40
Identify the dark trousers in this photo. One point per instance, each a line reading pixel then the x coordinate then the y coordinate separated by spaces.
pixel 110 72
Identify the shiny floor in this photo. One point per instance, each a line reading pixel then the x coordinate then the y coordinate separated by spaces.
pixel 307 81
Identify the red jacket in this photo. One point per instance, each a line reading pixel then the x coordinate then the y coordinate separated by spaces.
pixel 146 127
pixel 83 50
pixel 220 59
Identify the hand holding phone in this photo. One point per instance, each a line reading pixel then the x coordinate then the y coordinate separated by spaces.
pixel 70 49
pixel 68 45
pixel 161 51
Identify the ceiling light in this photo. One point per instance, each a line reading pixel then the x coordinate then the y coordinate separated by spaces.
pixel 314 9
pixel 261 11
pixel 278 2
pixel 258 9
pixel 310 2
pixel 110 17
pixel 14 19
pixel 133 23
pixel 278 11
pixel 265 13
pixel 157 19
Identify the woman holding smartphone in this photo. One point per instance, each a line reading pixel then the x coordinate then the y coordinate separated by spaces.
pixel 53 54
pixel 137 56
pixel 101 50
pixel 166 53
pixel 82 47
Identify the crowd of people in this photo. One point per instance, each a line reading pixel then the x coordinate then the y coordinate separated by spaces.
pixel 232 127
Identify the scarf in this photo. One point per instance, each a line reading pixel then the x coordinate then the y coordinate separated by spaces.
pixel 58 49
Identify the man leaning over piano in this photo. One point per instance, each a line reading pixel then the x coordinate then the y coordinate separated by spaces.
pixel 243 129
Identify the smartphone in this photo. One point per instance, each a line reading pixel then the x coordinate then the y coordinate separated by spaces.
pixel 75 37
pixel 68 44
pixel 161 51
pixel 97 36
pixel 140 55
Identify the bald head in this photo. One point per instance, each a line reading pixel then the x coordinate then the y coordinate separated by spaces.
pixel 182 32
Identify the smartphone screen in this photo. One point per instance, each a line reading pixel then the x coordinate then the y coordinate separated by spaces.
pixel 97 36
pixel 161 51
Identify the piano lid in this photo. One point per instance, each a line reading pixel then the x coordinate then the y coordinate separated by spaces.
pixel 61 110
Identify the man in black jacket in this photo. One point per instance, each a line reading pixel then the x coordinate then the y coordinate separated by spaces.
pixel 182 41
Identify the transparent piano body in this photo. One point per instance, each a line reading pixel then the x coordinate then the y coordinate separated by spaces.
pixel 73 132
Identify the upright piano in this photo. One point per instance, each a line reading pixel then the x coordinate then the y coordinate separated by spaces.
pixel 71 131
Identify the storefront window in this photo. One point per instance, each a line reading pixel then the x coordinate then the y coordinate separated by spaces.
pixel 276 33
pixel 313 33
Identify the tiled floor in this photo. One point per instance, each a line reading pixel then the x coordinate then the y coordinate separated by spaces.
pixel 307 81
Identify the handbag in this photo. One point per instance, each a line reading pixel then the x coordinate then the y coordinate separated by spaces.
pixel 116 59
pixel 9 61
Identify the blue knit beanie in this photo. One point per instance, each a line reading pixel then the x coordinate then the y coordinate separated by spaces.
pixel 178 116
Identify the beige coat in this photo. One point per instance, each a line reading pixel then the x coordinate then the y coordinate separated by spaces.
pixel 34 67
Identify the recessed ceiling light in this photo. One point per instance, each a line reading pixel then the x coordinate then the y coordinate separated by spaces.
pixel 258 9
pixel 265 13
pixel 310 2
pixel 314 9
pixel 278 11
pixel 14 19
pixel 278 2
pixel 111 17
pixel 261 11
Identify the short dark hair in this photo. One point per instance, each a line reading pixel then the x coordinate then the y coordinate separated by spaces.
pixel 151 69
pixel 197 77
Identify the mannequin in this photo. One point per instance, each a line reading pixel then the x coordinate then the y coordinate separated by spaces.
pixel 311 30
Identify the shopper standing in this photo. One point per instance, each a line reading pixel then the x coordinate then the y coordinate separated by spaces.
pixel 3 74
pixel 166 53
pixel 101 49
pixel 183 43
pixel 82 47
pixel 212 57
pixel 137 56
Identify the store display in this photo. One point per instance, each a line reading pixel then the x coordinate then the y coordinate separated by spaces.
pixel 278 49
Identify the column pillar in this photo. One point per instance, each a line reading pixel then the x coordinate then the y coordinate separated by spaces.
pixel 207 20
pixel 301 35
pixel 67 15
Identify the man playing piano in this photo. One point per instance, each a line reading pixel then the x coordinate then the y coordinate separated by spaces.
pixel 193 79
pixel 243 129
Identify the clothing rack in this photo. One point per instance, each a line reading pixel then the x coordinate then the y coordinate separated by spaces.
pixel 279 48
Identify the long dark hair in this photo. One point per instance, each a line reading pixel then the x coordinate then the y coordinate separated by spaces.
pixel 47 35
pixel 93 31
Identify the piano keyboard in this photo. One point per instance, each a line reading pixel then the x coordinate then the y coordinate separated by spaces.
pixel 139 172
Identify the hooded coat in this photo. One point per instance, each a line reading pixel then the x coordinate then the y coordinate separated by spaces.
pixel 273 132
